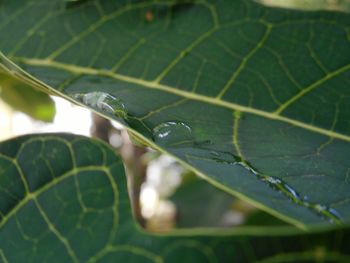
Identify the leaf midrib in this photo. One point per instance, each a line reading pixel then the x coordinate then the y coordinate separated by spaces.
pixel 194 96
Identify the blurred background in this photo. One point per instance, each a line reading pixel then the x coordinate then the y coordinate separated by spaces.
pixel 164 194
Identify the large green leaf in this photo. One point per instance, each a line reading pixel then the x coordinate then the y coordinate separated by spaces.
pixel 254 99
pixel 63 198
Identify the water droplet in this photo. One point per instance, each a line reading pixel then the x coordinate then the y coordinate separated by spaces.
pixel 278 184
pixel 292 192
pixel 172 133
pixel 329 213
pixel 283 187
pixel 334 212
pixel 273 180
pixel 320 208
pixel 104 102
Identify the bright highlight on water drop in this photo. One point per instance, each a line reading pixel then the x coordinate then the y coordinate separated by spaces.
pixel 103 101
pixel 172 133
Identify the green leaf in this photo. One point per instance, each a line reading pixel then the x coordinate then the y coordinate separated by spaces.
pixel 254 99
pixel 196 197
pixel 24 98
pixel 63 198
pixel 259 218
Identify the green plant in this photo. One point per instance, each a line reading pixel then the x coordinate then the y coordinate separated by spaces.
pixel 253 99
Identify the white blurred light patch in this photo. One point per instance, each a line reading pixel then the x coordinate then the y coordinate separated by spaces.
pixel 69 118
pixel 5 121
pixel 163 177
pixel 164 174
pixel 149 201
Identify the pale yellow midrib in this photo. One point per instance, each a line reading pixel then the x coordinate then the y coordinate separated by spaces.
pixel 189 95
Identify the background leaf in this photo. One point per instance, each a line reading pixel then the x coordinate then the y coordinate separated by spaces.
pixel 195 197
pixel 254 99
pixel 199 204
pixel 68 202
pixel 26 99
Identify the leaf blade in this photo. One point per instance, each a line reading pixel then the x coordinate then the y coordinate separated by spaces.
pixel 252 73
pixel 85 198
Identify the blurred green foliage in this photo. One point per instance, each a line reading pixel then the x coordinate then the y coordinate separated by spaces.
pixel 200 204
pixel 24 98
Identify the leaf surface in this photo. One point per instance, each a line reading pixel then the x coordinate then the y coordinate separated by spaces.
pixel 254 99
pixel 63 198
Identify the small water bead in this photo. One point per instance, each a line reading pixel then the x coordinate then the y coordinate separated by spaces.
pixel 227 158
pixel 320 208
pixel 291 191
pixel 334 212
pixel 172 133
pixel 329 213
pixel 273 180
pixel 104 102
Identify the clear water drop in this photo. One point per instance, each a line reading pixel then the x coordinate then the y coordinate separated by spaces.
pixel 285 188
pixel 273 180
pixel 328 212
pixel 228 158
pixel 291 191
pixel 320 208
pixel 172 133
pixel 334 212
pixel 104 102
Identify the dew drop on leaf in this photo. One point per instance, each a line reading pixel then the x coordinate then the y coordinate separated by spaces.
pixel 320 208
pixel 278 184
pixel 104 102
pixel 273 180
pixel 172 133
pixel 334 212
pixel 291 191
pixel 328 212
